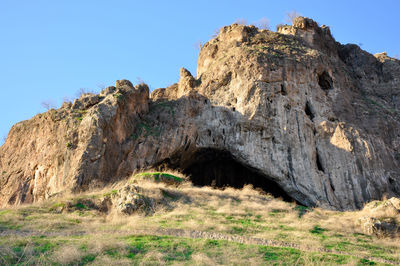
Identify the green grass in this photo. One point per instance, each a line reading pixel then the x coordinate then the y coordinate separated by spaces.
pixel 119 96
pixel 317 230
pixel 366 262
pixel 172 249
pixel 144 128
pixel 176 250
pixel 276 213
pixel 111 193
pixel 159 177
pixel 2 212
pixel 147 130
pixel 87 259
pixel 302 210
pixel 4 225
pixel 165 106
pixel 149 249
pixel 81 206
pixel 25 250
pixel 229 213
pixel 80 114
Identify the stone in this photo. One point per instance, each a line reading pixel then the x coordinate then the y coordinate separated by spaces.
pixel 89 100
pixel 293 112
pixel 186 82
pixel 381 218
pixel 385 208
pixel 386 227
pixel 122 83
pixel 108 90
pixel 128 200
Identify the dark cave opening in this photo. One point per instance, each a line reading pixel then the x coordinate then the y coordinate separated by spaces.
pixel 309 111
pixel 219 169
pixel 319 163
pixel 325 81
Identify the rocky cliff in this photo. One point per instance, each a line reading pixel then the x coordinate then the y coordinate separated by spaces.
pixel 292 112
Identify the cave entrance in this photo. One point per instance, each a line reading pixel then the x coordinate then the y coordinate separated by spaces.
pixel 219 169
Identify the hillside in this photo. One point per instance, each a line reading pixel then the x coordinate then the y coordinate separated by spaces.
pixel 156 218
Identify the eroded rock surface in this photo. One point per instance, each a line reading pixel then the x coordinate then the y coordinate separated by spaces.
pixel 319 119
pixel 78 145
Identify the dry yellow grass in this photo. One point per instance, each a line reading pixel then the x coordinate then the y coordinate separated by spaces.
pixel 241 212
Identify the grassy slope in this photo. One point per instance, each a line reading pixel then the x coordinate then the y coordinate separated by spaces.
pixel 38 234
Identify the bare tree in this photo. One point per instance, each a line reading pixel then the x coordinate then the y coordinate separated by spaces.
pixel 139 80
pixel 215 33
pixel 198 45
pixel 280 25
pixel 101 86
pixel 291 16
pixel 67 99
pixel 241 21
pixel 263 23
pixel 3 140
pixel 83 91
pixel 397 56
pixel 48 104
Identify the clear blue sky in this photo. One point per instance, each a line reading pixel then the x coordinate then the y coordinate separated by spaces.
pixel 51 49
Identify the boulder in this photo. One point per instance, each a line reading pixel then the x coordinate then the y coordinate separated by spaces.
pixel 386 227
pixel 381 218
pixel 128 200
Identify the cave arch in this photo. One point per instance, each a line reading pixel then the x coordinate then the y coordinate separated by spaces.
pixel 219 169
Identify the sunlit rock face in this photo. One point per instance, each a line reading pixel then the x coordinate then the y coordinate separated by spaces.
pixel 319 121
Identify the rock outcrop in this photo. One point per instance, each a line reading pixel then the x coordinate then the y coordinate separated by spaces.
pixel 291 111
pixel 78 145
pixel 381 218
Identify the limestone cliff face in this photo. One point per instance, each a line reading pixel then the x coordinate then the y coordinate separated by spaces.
pixel 319 119
pixel 80 144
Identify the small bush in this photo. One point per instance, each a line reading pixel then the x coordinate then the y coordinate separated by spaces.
pixel 317 230
pixel 241 21
pixel 119 96
pixel 263 23
pixel 83 91
pixel 48 104
pixel 302 210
